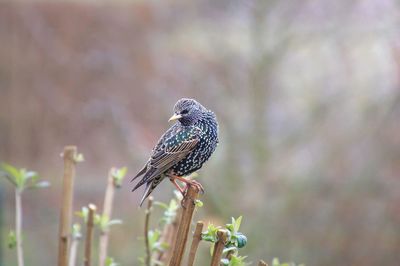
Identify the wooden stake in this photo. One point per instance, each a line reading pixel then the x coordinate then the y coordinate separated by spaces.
pixel 188 205
pixel 89 235
pixel 262 263
pixel 66 208
pixel 219 247
pixel 107 212
pixel 195 242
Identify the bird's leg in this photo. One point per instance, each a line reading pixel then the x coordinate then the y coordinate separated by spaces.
pixel 182 190
pixel 188 183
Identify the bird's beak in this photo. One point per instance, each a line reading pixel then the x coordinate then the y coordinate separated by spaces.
pixel 174 117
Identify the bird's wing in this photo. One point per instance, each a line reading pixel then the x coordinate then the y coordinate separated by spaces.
pixel 173 149
pixel 158 147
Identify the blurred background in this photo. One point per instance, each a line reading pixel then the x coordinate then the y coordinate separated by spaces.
pixel 306 93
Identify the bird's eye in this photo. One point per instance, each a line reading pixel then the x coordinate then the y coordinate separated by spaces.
pixel 185 111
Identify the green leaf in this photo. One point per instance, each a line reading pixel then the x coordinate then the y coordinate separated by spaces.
pixel 230 227
pixel 114 222
pixel 198 203
pixel 100 221
pixel 232 248
pixel 122 172
pixel 79 158
pixel 11 179
pixel 12 174
pixel 22 178
pixel 153 236
pixel 161 204
pixel 118 175
pixel 11 240
pixel 237 260
pixel 29 175
pixel 237 223
pixel 76 231
pixel 110 262
pixel 83 213
pixel 40 184
pixel 211 233
pixel 275 262
pixel 165 245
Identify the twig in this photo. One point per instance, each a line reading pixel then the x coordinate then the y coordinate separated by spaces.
pixel 219 247
pixel 188 205
pixel 89 235
pixel 146 231
pixel 195 242
pixel 73 252
pixel 66 209
pixel 76 237
pixel 262 263
pixel 18 226
pixel 107 211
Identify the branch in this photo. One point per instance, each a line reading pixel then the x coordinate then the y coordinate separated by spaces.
pixel 89 235
pixel 146 231
pixel 262 263
pixel 188 205
pixel 195 242
pixel 69 156
pixel 219 247
pixel 18 226
pixel 107 211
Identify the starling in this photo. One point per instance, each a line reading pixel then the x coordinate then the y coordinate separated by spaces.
pixel 182 149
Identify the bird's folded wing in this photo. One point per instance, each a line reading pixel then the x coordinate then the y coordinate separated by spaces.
pixel 174 150
pixel 171 154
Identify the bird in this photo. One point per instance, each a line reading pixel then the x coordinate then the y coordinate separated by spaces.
pixel 182 149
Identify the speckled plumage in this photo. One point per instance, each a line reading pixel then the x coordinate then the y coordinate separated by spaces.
pixel 183 148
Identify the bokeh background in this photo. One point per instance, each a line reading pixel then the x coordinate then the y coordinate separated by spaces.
pixel 306 93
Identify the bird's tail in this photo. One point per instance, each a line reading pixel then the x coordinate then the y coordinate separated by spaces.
pixel 141 172
pixel 150 186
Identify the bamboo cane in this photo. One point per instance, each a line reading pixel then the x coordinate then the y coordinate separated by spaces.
pixel 195 242
pixel 107 212
pixel 69 156
pixel 89 235
pixel 188 205
pixel 219 247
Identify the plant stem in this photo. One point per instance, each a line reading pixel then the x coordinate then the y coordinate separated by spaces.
pixel 18 227
pixel 66 209
pixel 89 235
pixel 219 247
pixel 195 242
pixel 188 207
pixel 73 251
pixel 262 263
pixel 107 211
pixel 146 231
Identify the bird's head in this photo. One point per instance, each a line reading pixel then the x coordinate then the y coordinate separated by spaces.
pixel 187 111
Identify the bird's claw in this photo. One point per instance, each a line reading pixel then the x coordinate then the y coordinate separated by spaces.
pixel 197 185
